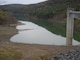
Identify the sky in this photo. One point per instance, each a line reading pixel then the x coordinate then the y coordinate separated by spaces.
pixel 3 2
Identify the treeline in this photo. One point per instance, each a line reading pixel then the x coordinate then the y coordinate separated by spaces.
pixel 53 8
pixel 46 10
pixel 6 18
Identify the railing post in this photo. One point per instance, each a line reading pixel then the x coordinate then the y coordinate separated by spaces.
pixel 70 25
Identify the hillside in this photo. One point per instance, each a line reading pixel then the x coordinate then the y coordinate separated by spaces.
pixel 50 14
pixel 45 10
pixel 7 18
pixel 6 32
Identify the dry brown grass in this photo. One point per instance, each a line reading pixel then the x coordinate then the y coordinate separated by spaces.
pixel 9 54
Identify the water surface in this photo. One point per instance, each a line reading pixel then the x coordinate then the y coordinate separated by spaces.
pixel 33 34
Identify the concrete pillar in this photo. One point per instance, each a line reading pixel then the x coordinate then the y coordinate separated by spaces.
pixel 70 25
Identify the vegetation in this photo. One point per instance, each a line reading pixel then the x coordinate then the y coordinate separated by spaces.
pixel 53 27
pixel 9 54
pixel 6 18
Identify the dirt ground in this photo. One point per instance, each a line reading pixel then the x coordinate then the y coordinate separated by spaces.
pixel 29 51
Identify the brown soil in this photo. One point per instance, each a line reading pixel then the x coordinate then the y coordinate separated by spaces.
pixel 29 51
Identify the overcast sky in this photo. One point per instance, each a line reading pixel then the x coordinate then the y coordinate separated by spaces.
pixel 2 2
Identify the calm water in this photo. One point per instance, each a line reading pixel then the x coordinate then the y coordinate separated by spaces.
pixel 33 34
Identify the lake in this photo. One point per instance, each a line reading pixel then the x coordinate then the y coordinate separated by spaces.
pixel 32 33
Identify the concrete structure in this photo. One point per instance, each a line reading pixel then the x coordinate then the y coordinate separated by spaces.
pixel 71 14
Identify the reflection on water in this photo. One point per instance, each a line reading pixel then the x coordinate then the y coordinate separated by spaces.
pixel 34 34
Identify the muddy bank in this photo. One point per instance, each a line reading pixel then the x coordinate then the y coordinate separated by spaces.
pixel 6 32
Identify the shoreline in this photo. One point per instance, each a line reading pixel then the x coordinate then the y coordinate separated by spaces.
pixel 6 32
pixel 29 51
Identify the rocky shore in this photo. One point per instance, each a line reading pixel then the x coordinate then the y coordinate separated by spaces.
pixel 74 54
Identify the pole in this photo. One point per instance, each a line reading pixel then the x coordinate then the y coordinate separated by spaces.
pixel 70 25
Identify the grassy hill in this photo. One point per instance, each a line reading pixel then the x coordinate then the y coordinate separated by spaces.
pixel 50 14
